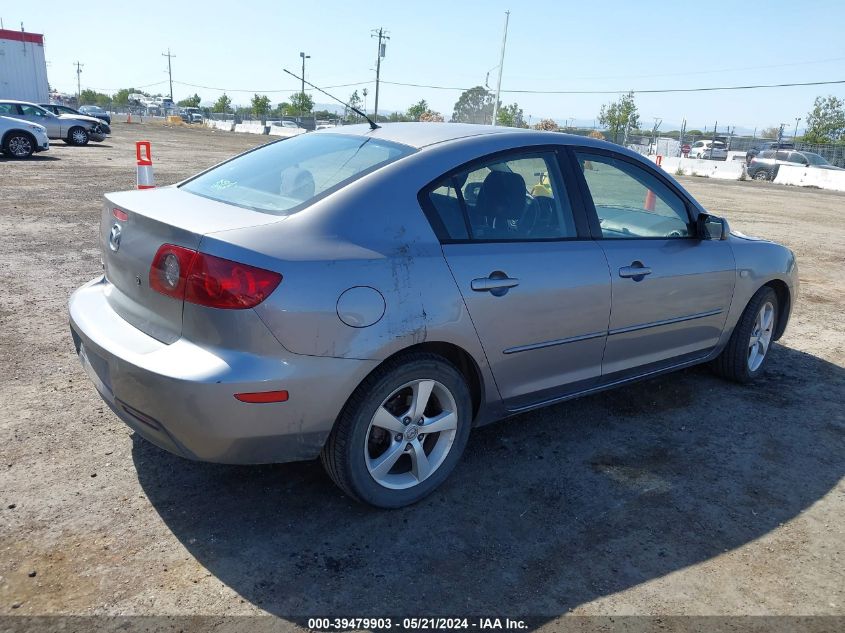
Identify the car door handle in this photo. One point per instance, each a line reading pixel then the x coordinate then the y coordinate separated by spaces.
pixel 635 271
pixel 497 283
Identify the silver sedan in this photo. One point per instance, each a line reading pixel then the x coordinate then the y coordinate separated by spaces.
pixel 369 296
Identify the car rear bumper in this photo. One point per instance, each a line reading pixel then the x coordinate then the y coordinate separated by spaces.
pixel 181 396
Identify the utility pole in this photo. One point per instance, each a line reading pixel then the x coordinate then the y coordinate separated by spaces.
pixel 169 70
pixel 797 121
pixel 780 134
pixel 381 34
pixel 302 94
pixel 365 92
pixel 501 64
pixel 78 84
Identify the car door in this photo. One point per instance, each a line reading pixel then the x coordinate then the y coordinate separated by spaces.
pixel 535 285
pixel 671 291
pixel 40 116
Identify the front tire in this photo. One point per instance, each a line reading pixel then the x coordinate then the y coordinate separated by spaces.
pixel 401 433
pixel 19 145
pixel 77 136
pixel 747 351
pixel 762 175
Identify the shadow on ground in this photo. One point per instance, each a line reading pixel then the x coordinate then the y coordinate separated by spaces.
pixel 547 511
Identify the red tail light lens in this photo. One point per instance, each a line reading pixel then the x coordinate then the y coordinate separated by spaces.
pixel 210 281
pixel 222 283
pixel 169 270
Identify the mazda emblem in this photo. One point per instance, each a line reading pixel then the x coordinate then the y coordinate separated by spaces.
pixel 114 237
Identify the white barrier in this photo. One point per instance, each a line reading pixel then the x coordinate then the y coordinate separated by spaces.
pixel 723 170
pixel 285 132
pixel 250 128
pixel 801 176
pixel 226 126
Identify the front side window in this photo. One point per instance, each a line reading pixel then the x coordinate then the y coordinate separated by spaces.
pixel 632 203
pixel 283 177
pixel 518 198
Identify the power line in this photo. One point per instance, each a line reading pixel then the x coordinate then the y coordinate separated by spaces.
pixel 613 92
pixel 184 83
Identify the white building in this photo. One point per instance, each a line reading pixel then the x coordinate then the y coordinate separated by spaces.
pixel 23 69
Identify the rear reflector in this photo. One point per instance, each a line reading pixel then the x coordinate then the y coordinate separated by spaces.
pixel 183 273
pixel 120 214
pixel 263 397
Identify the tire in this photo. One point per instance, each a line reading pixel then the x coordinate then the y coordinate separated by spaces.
pixel 759 321
pixel 762 175
pixel 77 136
pixel 19 145
pixel 384 467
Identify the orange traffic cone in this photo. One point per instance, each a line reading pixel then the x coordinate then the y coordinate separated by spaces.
pixel 144 157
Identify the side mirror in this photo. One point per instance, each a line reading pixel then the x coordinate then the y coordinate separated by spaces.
pixel 711 227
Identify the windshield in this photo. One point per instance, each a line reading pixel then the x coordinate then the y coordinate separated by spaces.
pixel 815 159
pixel 285 176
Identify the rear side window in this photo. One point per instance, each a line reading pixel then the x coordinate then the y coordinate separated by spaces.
pixel 284 177
pixel 517 198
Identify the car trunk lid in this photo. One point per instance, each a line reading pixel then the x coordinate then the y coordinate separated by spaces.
pixel 134 225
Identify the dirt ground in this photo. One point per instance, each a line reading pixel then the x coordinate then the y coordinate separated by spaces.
pixel 680 495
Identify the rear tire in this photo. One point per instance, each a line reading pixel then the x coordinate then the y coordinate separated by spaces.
pixel 762 175
pixel 19 145
pixel 77 136
pixel 379 453
pixel 745 356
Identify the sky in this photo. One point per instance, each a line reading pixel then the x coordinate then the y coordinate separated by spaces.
pixel 612 46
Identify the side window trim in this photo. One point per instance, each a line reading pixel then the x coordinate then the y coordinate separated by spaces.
pixel 556 155
pixel 589 206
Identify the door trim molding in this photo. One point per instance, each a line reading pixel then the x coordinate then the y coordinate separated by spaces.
pixel 645 326
pixel 554 343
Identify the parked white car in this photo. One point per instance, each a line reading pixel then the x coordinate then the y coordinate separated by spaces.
pixel 21 139
pixel 710 150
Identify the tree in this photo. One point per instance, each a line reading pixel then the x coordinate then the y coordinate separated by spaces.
pixel 398 117
pixel 190 102
pixel 619 116
pixel 223 104
pixel 429 116
pixel 417 110
pixel 121 97
pixel 92 97
pixel 474 106
pixel 826 121
pixel 260 105
pixel 770 132
pixel 354 102
pixel 548 125
pixel 301 103
pixel 511 116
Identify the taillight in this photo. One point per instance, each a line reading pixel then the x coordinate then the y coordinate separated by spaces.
pixel 222 283
pixel 211 281
pixel 169 270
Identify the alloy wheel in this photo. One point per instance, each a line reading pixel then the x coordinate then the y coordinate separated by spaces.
pixel 761 336
pixel 411 434
pixel 79 136
pixel 20 146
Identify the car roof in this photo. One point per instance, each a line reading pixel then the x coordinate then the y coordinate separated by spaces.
pixel 420 135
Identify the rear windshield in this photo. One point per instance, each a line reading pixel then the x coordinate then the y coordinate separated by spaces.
pixel 284 177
